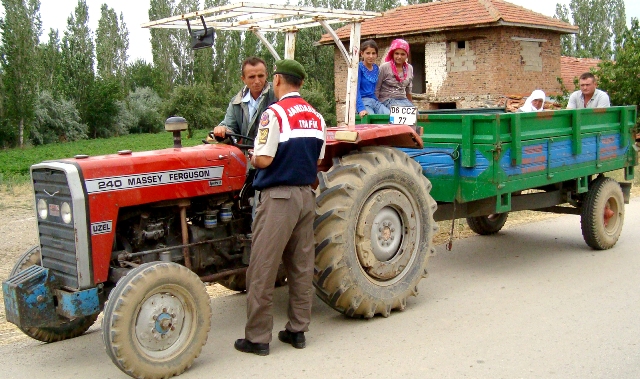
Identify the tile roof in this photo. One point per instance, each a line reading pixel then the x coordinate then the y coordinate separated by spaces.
pixel 571 67
pixel 452 14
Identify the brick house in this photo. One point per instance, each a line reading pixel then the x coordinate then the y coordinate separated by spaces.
pixel 466 53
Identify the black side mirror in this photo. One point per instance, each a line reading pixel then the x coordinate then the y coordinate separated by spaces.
pixel 201 39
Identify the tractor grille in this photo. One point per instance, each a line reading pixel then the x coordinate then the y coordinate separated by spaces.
pixel 57 239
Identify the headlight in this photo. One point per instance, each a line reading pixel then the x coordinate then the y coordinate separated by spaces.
pixel 43 212
pixel 65 212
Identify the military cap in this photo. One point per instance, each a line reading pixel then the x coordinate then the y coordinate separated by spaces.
pixel 290 67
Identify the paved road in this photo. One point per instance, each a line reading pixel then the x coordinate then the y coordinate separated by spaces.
pixel 531 302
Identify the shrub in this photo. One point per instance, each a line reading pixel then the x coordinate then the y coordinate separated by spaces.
pixel 194 103
pixel 56 121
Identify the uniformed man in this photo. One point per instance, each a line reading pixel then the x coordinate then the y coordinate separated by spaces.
pixel 288 147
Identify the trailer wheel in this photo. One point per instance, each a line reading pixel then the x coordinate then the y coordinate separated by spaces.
pixel 156 320
pixel 486 225
pixel 602 214
pixel 373 230
pixel 66 329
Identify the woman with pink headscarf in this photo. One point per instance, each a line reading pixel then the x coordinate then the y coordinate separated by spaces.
pixel 395 76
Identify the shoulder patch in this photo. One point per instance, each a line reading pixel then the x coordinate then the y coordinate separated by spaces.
pixel 264 119
pixel 263 134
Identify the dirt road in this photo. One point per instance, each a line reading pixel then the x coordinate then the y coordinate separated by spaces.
pixel 530 302
pixel 18 231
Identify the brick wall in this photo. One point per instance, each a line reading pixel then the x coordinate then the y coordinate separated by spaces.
pixel 492 64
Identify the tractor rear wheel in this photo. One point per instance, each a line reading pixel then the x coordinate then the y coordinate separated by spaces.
pixel 602 213
pixel 66 329
pixel 156 320
pixel 373 229
pixel 486 225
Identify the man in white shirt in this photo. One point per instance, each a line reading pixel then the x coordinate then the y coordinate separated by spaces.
pixel 588 96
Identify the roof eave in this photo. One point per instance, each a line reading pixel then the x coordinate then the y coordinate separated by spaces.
pixel 476 26
pixel 544 27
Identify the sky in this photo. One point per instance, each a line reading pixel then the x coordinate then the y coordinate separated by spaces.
pixel 55 13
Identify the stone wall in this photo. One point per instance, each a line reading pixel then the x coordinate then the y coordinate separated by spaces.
pixel 475 68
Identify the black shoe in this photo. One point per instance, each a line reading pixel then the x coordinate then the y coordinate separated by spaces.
pixel 247 346
pixel 296 340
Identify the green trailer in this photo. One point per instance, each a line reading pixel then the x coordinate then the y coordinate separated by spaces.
pixel 484 165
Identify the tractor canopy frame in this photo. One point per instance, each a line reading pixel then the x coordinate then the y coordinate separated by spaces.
pixel 261 18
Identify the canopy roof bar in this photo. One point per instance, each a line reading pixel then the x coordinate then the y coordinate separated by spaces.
pixel 241 26
pixel 260 18
pixel 244 15
pixel 268 44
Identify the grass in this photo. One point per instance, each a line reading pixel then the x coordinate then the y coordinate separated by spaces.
pixel 15 163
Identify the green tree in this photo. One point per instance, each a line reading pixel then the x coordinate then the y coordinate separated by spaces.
pixel 102 107
pixel 143 74
pixel 410 2
pixel 194 104
pixel 314 93
pixel 620 78
pixel 112 43
pixel 219 66
pixel 50 77
pixel 77 60
pixel 380 6
pixel 162 47
pixel 567 48
pixel 600 23
pixel 56 121
pixel 183 55
pixel 21 29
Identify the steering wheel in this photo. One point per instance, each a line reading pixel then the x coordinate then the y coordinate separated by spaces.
pixel 233 140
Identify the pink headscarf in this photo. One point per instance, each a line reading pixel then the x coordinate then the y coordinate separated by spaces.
pixel 395 45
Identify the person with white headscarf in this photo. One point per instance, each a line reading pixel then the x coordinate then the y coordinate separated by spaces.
pixel 534 103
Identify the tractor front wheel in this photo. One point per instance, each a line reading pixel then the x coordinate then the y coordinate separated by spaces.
pixel 156 320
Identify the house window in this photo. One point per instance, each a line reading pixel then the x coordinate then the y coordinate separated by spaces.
pixel 460 57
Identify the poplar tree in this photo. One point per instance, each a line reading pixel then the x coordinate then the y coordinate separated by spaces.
pixel 600 23
pixel 183 54
pixel 51 78
pixel 112 42
pixel 78 59
pixel 21 30
pixel 162 47
pixel 567 47
pixel 226 60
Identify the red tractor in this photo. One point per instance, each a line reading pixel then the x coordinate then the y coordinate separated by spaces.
pixel 135 235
